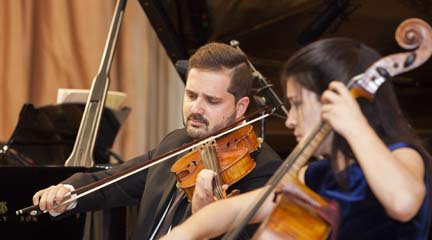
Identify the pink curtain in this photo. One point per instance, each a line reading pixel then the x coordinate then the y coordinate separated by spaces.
pixel 51 44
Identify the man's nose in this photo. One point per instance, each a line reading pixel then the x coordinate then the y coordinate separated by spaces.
pixel 197 107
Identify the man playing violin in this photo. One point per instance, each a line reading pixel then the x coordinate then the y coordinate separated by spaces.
pixel 372 164
pixel 216 94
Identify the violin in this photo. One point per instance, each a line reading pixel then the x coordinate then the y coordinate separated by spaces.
pixel 299 212
pixel 229 156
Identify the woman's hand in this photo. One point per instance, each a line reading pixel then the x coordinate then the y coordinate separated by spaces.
pixel 341 110
pixel 395 177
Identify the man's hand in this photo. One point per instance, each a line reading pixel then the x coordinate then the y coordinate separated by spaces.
pixel 48 198
pixel 203 193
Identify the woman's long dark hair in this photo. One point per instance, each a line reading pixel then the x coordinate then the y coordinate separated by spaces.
pixel 316 65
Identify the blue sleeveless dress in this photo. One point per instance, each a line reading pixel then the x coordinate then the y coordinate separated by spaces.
pixel 363 217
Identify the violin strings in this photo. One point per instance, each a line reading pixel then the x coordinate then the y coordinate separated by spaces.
pixel 215 167
pixel 209 158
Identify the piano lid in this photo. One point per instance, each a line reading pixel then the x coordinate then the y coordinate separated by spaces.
pixel 270 31
pixel 46 135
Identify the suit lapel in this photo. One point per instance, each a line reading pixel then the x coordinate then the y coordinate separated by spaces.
pixel 166 195
pixel 157 196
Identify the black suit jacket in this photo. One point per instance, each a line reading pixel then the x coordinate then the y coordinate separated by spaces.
pixel 153 188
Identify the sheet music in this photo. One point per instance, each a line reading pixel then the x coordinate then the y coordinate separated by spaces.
pixel 114 99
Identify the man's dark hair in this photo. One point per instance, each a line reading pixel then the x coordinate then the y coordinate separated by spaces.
pixel 219 57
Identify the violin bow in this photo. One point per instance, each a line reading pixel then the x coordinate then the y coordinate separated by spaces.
pixel 85 190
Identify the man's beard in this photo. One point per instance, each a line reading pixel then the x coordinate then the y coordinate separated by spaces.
pixel 196 133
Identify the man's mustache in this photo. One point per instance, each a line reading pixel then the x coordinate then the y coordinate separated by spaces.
pixel 198 118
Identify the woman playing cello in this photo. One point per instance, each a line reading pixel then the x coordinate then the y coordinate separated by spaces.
pixel 372 164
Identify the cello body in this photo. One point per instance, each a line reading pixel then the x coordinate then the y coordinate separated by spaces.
pixel 299 214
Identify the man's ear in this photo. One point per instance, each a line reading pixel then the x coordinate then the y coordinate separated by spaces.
pixel 241 106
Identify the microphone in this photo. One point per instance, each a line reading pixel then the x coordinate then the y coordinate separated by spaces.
pixel 265 95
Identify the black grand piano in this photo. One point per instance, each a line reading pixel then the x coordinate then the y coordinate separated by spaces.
pixel 269 32
pixel 35 153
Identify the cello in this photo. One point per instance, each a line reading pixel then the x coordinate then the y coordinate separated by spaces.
pixel 411 34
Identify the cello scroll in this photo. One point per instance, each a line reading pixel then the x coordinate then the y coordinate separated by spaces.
pixel 412 33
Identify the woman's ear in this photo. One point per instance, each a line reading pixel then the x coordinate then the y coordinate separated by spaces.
pixel 241 106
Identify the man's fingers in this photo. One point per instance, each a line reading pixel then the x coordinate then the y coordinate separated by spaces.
pixel 59 198
pixel 42 201
pixel 61 193
pixel 205 180
pixel 36 197
pixel 203 193
pixel 49 197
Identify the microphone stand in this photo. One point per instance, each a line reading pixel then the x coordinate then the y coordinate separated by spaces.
pixel 265 95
